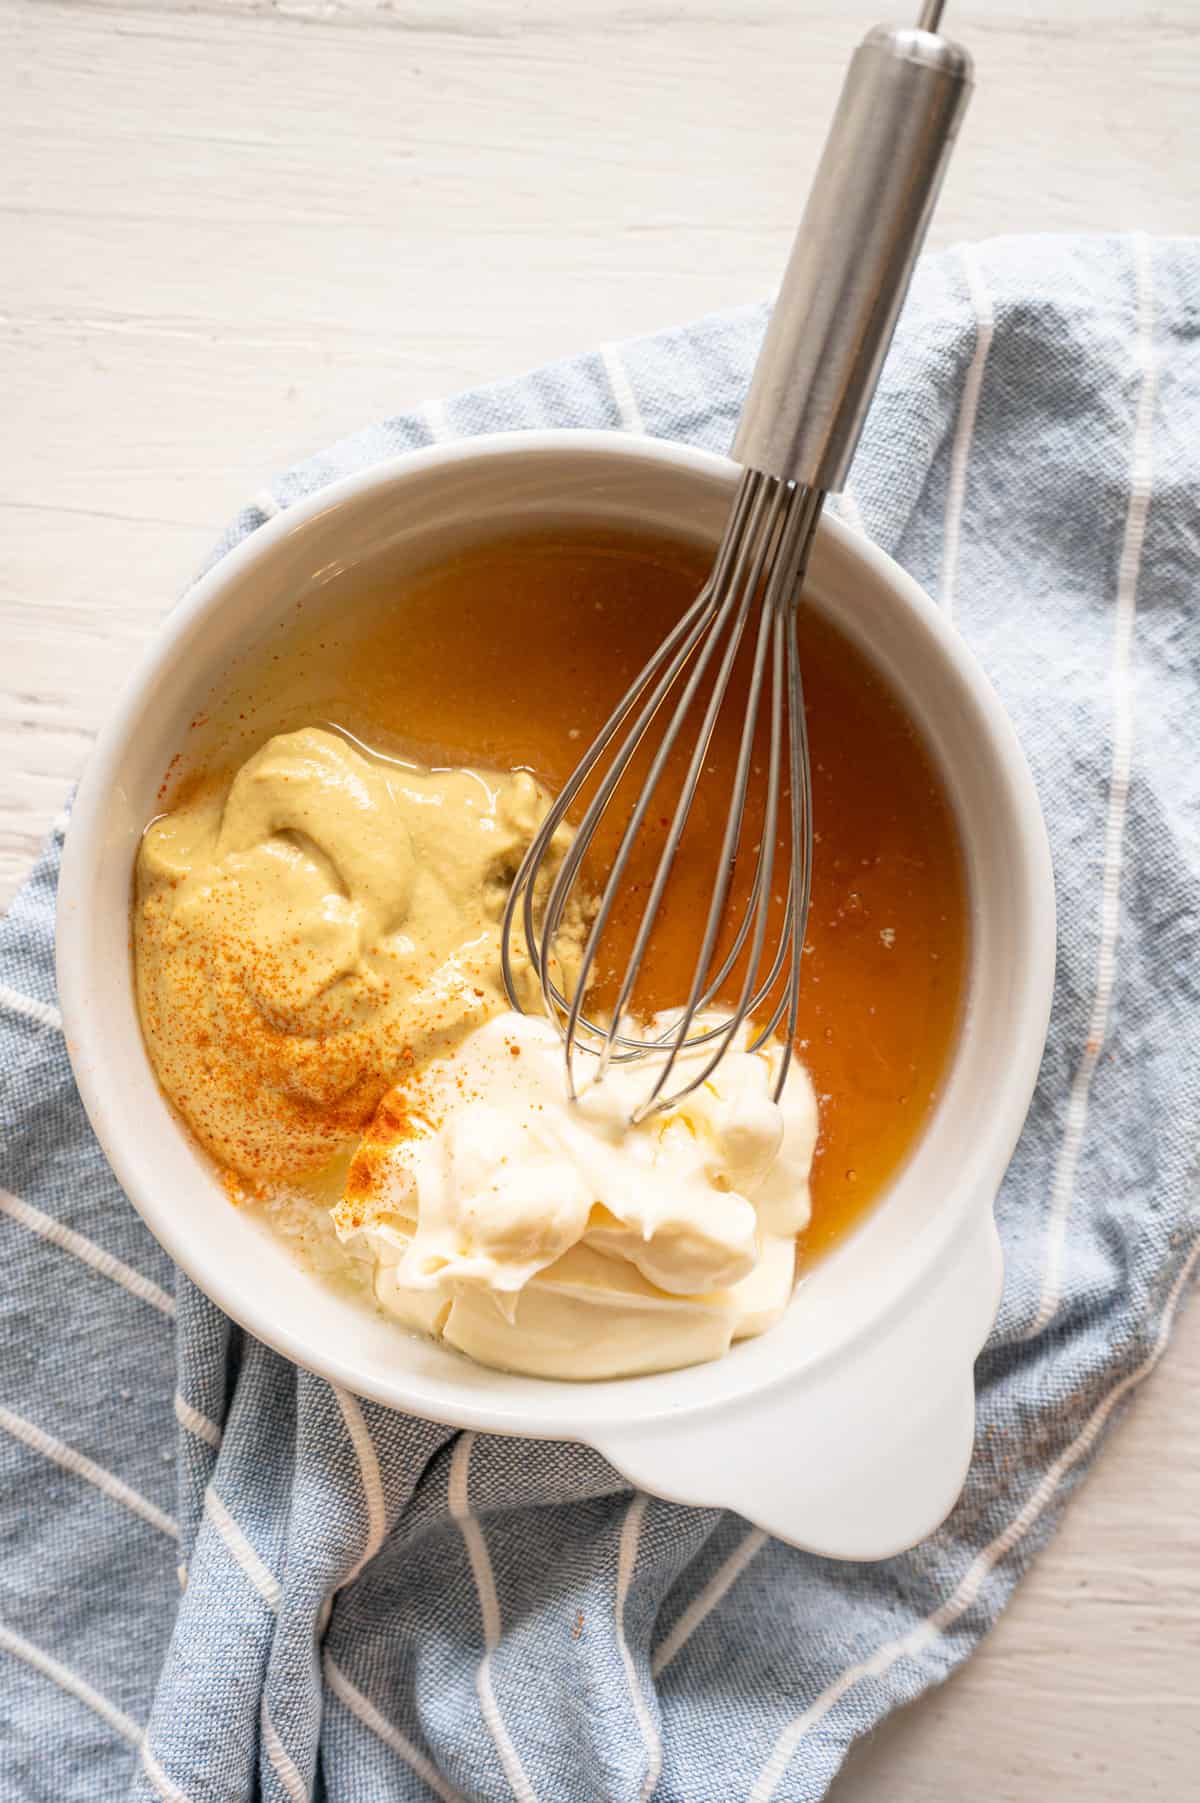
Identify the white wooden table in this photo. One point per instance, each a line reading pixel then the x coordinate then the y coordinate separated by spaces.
pixel 235 229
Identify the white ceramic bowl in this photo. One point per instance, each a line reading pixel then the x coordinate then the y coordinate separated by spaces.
pixel 847 1428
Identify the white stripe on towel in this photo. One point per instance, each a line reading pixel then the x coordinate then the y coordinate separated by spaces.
pixel 851 512
pixel 631 1530
pixel 165 1787
pixel 489 1609
pixel 926 1632
pixel 195 1422
pixel 702 1605
pixel 70 1681
pixel 67 1240
pixel 284 1766
pixel 386 1731
pixel 67 1458
pixel 960 455
pixel 628 411
pixel 437 421
pixel 42 1014
pixel 263 1580
pixel 372 1480
pixel 1140 483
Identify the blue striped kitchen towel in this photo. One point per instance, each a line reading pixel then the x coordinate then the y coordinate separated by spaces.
pixel 377 1608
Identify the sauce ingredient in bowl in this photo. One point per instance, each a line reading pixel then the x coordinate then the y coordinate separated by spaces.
pixel 558 1239
pixel 305 930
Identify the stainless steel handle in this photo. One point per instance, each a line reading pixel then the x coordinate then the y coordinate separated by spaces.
pixel 900 107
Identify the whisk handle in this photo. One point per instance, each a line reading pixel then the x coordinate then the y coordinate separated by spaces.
pixel 900 107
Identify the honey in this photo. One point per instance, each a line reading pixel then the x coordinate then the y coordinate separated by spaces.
pixel 513 653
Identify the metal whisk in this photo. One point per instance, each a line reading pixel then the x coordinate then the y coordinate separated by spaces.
pixel 884 158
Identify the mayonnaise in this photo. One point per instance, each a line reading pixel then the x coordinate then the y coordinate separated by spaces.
pixel 555 1238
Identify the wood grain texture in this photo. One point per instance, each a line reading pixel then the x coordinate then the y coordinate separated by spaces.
pixel 235 230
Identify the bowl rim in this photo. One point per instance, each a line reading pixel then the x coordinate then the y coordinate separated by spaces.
pixel 498 1413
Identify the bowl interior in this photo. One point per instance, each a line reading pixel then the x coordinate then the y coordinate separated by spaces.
pixel 402 517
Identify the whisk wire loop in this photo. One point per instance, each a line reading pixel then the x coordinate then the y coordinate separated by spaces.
pixel 799 897
pixel 755 914
pixel 674 652
pixel 776 627
pixel 756 576
pixel 768 513
pixel 731 614
pixel 521 895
